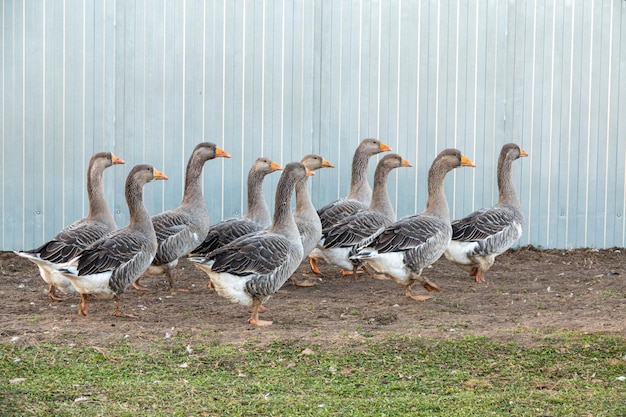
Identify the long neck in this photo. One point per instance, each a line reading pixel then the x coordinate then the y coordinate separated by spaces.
pixel 283 221
pixel 436 204
pixel 359 187
pixel 139 217
pixel 257 210
pixel 506 190
pixel 381 202
pixel 303 200
pixel 98 207
pixel 193 189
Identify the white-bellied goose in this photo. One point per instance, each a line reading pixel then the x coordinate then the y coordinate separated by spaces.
pixel 252 268
pixel 256 218
pixel 64 247
pixel 109 265
pixel 412 243
pixel 362 226
pixel 358 197
pixel 305 215
pixel 486 233
pixel 180 230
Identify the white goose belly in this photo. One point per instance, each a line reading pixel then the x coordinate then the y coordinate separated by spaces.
pixel 338 257
pixel 391 264
pixel 96 284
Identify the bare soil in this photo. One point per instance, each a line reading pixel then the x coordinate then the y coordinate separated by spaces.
pixel 528 295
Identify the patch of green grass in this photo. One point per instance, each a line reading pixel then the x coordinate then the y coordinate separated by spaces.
pixel 399 376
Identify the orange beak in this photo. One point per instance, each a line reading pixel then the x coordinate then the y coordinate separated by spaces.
pixel 466 162
pixel 326 164
pixel 309 172
pixel 158 175
pixel 522 153
pixel 406 163
pixel 219 152
pixel 116 160
pixel 384 148
pixel 275 167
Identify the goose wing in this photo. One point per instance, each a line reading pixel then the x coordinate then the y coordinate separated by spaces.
pixel 112 252
pixel 259 254
pixel 176 235
pixel 409 233
pixel 483 224
pixel 336 211
pixel 354 229
pixel 224 232
pixel 68 243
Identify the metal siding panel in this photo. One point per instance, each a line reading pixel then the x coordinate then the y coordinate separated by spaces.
pixel 13 130
pixel 33 127
pixel 284 79
pixel 617 189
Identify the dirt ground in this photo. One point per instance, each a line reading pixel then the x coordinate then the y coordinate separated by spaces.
pixel 528 294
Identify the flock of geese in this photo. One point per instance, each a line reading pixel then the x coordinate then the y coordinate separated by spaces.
pixel 250 258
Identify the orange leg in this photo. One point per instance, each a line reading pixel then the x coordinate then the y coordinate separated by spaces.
pixel 170 283
pixel 53 294
pixel 118 311
pixel 82 306
pixel 313 265
pixel 138 286
pixel 254 318
pixel 477 273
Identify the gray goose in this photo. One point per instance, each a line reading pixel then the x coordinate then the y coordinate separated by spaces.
pixel 358 197
pixel 305 215
pixel 256 218
pixel 412 243
pixel 357 229
pixel 180 230
pixel 109 265
pixel 252 268
pixel 63 247
pixel 486 233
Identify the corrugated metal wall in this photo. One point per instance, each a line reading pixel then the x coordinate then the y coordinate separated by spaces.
pixel 148 80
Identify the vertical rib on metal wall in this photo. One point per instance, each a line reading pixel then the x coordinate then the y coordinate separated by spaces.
pixel 284 78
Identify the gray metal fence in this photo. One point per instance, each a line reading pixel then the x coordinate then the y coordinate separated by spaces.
pixel 279 78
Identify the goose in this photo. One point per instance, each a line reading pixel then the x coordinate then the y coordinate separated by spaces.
pixel 404 248
pixel 180 230
pixel 305 215
pixel 363 225
pixel 66 244
pixel 252 268
pixel 486 233
pixel 358 197
pixel 256 218
pixel 109 265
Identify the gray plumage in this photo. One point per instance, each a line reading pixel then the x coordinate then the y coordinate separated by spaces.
pixel 109 265
pixel 360 227
pixel 305 215
pixel 358 198
pixel 360 193
pixel 180 230
pixel 484 234
pixel 407 246
pixel 256 218
pixel 253 267
pixel 68 243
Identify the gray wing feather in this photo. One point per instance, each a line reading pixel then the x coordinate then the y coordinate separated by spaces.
pixel 336 211
pixel 268 258
pixel 484 223
pixel 495 229
pixel 355 229
pixel 175 235
pixel 128 255
pixel 224 232
pixel 68 243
